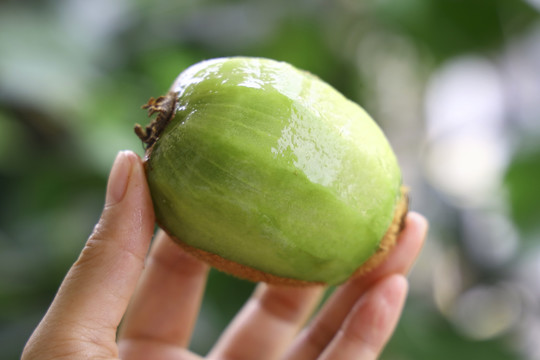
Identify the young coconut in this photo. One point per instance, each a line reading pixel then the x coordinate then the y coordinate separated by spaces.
pixel 266 172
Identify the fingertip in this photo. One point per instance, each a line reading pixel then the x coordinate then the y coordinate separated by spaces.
pixel 414 234
pixel 132 219
pixel 135 160
pixel 138 186
pixel 396 286
pixel 118 179
pixel 134 172
pixel 128 206
pixel 419 221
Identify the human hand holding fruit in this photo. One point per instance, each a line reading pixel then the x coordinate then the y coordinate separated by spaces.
pixel 165 290
pixel 263 171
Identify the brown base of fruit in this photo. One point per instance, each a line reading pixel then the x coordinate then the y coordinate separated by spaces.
pixel 245 272
pixel 390 237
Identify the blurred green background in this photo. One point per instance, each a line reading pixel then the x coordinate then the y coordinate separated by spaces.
pixel 455 84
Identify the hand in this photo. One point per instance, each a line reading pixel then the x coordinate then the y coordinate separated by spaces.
pixel 165 288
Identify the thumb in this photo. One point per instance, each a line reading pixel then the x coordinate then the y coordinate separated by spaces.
pixel 95 293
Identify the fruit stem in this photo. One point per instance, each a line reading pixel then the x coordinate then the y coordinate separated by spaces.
pixel 165 107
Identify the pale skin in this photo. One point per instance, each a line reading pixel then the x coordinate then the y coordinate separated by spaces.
pixel 157 292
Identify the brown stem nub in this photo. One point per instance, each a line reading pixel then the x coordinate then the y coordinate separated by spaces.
pixel 165 107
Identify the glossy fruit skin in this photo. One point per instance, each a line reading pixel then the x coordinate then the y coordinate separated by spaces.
pixel 268 166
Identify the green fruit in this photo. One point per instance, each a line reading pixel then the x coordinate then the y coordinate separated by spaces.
pixel 268 172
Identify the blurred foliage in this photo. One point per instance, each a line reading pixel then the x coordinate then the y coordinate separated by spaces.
pixel 433 338
pixel 522 179
pixel 74 73
pixel 448 28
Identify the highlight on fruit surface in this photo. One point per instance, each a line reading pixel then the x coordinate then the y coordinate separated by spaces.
pixel 267 172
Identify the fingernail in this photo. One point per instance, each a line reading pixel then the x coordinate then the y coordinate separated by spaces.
pixel 118 178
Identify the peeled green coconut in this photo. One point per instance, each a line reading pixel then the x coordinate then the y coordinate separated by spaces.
pixel 266 172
